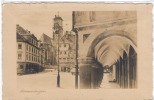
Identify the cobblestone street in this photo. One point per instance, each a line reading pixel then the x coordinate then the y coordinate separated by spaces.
pixel 48 81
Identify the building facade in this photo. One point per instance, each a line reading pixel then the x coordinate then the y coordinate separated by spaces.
pixel 64 43
pixel 107 38
pixel 67 51
pixel 47 51
pixel 28 54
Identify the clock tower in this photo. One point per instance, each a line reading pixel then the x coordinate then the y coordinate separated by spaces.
pixel 57 28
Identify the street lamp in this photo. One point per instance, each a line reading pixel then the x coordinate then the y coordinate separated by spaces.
pixel 57 31
pixel 58 76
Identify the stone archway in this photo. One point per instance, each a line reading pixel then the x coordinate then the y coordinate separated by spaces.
pixel 108 34
pixel 89 66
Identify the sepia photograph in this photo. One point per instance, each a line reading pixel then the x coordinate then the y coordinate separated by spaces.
pixel 100 51
pixel 55 50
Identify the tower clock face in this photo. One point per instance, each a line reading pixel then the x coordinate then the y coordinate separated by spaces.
pixel 56 25
pixel 57 31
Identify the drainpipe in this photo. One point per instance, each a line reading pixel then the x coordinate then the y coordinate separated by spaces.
pixel 76 58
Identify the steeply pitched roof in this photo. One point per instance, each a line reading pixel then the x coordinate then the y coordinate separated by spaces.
pixel 23 32
pixel 34 36
pixel 20 30
pixel 45 39
pixel 68 38
pixel 44 46
pixel 20 38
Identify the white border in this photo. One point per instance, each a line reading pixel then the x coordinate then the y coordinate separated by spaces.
pixel 65 1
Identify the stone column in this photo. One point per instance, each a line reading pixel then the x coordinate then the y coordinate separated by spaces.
pixel 88 73
pixel 96 75
pixel 100 74
pixel 128 73
pixel 120 72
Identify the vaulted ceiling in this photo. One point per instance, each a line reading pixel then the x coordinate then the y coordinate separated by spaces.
pixel 109 50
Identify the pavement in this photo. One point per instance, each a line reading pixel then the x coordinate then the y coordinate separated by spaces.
pixel 48 81
pixel 106 84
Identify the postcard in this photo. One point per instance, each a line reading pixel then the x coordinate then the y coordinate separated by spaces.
pixel 77 51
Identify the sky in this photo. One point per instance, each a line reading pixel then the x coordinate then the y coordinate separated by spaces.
pixel 39 21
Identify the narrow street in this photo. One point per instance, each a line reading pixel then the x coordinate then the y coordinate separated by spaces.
pixel 48 81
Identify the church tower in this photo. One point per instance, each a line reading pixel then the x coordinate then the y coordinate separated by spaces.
pixel 57 28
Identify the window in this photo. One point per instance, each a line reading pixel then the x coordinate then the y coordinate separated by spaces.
pixel 60 52
pixel 19 46
pixel 32 40
pixel 32 49
pixel 64 52
pixel 29 57
pixel 38 59
pixel 26 56
pixel 19 56
pixel 27 47
pixel 64 45
pixel 21 66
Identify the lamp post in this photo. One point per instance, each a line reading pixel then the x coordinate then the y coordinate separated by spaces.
pixel 58 76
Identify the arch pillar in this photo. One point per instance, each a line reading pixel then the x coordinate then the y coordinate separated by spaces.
pixel 133 68
pixel 91 73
